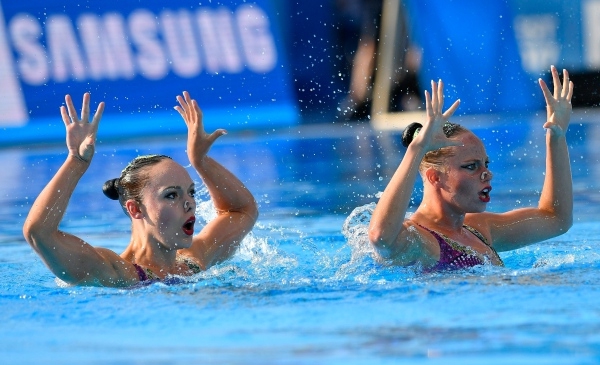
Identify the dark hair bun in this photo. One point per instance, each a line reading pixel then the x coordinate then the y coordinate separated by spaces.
pixel 409 133
pixel 110 189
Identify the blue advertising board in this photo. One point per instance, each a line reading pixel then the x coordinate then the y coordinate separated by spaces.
pixel 471 46
pixel 137 56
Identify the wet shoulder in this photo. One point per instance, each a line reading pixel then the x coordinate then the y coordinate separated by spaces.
pixel 421 245
pixel 479 224
pixel 190 263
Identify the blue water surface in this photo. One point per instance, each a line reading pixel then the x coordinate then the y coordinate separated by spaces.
pixel 303 288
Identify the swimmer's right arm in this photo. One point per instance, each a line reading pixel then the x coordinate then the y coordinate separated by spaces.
pixel 387 229
pixel 67 256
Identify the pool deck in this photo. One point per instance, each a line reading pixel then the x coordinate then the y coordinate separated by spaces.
pixel 389 122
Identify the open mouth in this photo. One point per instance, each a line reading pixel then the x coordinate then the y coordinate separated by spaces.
pixel 484 195
pixel 188 226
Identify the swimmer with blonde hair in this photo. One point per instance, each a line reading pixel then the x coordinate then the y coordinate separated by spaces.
pixel 451 229
pixel 157 194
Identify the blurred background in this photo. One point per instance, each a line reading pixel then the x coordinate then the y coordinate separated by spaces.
pixel 262 65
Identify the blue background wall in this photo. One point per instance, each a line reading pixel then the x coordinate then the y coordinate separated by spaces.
pixel 266 64
pixel 471 46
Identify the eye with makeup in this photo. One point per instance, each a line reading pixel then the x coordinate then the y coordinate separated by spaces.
pixel 171 195
pixel 473 166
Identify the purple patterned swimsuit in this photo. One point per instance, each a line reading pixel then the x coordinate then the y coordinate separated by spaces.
pixel 148 277
pixel 142 274
pixel 454 256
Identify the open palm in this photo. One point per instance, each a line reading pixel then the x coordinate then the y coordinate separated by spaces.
pixel 81 133
pixel 199 142
pixel 558 105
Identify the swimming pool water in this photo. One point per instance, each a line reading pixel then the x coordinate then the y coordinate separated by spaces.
pixel 301 289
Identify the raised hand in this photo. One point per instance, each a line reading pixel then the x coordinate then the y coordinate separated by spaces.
pixel 81 134
pixel 558 105
pixel 432 134
pixel 199 142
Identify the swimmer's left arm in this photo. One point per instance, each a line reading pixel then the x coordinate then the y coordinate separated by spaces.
pixel 554 213
pixel 557 192
pixel 517 228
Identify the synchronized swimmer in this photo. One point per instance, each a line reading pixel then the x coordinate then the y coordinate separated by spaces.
pixel 449 230
pixel 157 194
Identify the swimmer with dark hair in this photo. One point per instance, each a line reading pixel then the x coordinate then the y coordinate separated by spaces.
pixel 450 228
pixel 157 194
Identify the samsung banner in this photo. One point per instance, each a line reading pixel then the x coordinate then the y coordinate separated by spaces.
pixel 137 56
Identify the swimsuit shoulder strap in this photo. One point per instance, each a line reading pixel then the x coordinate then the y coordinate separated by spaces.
pixel 141 272
pixel 477 234
pixel 437 236
pixel 447 251
pixel 484 240
pixel 145 274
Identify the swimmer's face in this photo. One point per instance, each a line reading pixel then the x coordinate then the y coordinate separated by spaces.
pixel 169 206
pixel 462 180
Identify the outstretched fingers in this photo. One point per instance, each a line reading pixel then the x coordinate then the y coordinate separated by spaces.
pixel 197 109
pixel 182 103
pixel 556 82
pixel 570 93
pixel 547 93
pixel 216 134
pixel 180 111
pixel 197 114
pixel 562 90
pixel 567 90
pixel 81 133
pixel 186 107
pixel 451 110
pixel 69 113
pixel 431 101
pixel 85 107
pixel 435 101
pixel 181 108
pixel 189 102
pixel 97 117
pixel 65 116
pixel 428 107
pixel 565 85
pixel 72 112
pixel 558 102
pixel 440 95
